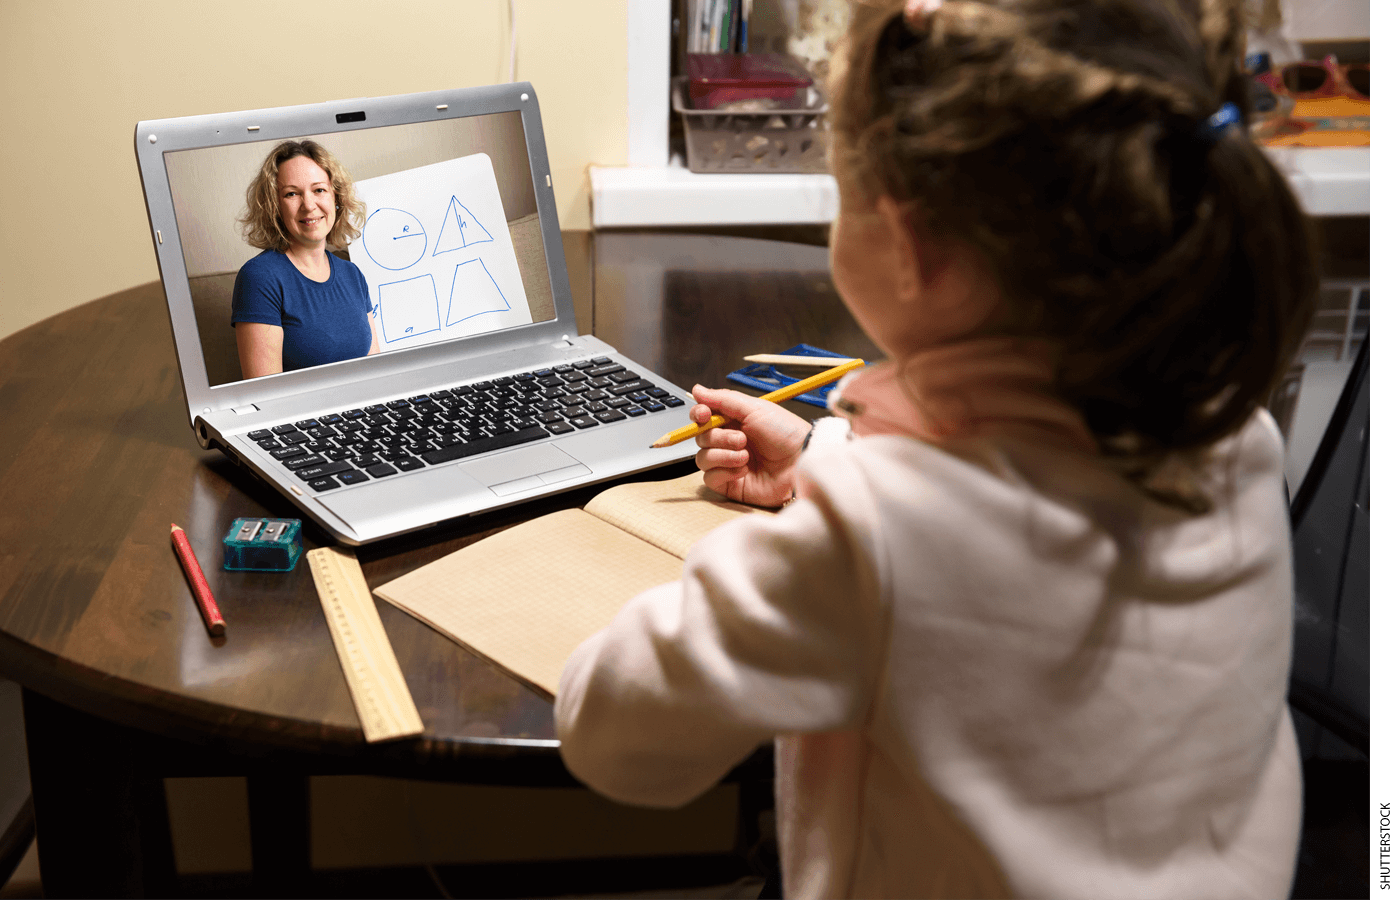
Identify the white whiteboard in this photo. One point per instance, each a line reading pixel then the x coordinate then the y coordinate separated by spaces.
pixel 437 254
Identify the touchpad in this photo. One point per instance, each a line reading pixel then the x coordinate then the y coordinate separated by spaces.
pixel 519 470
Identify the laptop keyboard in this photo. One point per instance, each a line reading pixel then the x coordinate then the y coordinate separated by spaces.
pixel 385 439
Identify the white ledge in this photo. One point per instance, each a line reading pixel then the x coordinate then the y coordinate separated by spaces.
pixel 640 197
pixel 1329 181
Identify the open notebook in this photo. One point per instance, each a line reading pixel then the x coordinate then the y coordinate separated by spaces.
pixel 483 393
pixel 527 596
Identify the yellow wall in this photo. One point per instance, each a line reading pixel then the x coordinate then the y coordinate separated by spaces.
pixel 77 75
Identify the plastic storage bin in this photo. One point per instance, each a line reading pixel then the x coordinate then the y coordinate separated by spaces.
pixel 782 140
pixel 717 78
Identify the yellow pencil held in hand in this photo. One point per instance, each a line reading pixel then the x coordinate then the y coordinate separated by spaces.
pixel 778 396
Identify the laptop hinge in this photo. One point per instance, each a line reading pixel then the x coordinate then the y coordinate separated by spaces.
pixel 244 410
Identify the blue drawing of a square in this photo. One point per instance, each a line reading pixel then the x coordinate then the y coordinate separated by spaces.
pixel 408 307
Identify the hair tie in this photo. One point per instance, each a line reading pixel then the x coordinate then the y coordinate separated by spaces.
pixel 1222 120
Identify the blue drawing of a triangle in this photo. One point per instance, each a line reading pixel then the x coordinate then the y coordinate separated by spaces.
pixel 459 229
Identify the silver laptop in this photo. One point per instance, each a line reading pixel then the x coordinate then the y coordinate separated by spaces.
pixel 482 393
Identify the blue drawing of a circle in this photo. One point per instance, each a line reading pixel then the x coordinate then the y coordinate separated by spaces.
pixel 394 239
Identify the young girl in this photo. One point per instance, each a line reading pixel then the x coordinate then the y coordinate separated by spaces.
pixel 1026 628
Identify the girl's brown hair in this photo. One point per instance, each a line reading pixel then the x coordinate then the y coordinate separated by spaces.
pixel 1065 141
pixel 262 219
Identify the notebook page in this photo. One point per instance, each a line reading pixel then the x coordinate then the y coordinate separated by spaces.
pixel 526 597
pixel 672 514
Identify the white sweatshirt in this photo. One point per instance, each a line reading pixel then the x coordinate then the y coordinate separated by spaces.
pixel 992 669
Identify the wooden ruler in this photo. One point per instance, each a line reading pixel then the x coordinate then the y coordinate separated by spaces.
pixel 385 707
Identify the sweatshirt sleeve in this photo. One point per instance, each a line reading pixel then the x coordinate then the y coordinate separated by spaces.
pixel 775 626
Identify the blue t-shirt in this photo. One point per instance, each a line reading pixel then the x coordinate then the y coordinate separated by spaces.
pixel 321 322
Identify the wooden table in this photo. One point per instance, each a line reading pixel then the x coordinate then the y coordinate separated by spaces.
pixel 123 684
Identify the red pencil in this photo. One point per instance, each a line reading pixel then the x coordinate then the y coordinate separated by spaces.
pixel 204 598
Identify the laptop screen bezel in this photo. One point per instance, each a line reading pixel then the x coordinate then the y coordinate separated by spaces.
pixel 155 138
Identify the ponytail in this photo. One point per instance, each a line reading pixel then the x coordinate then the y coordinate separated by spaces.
pixel 1175 268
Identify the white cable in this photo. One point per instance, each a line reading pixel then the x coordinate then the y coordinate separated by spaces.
pixel 511 14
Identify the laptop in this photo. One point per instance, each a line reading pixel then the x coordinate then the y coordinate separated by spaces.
pixel 483 393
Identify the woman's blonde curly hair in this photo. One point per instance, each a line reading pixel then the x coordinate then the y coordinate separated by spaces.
pixel 262 219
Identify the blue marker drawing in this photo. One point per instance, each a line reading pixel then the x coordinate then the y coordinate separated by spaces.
pixel 474 292
pixel 459 229
pixel 394 239
pixel 408 308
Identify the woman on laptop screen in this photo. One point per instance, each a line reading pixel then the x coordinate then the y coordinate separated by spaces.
pixel 295 304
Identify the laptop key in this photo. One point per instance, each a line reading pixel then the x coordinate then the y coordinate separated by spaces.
pixel 672 401
pixel 310 473
pixel 352 477
pixel 560 427
pixel 484 445
pixel 381 470
pixel 287 453
pixel 408 464
pixel 609 415
pixel 583 422
pixel 301 462
pixel 323 484
pixel 634 411
pixel 261 434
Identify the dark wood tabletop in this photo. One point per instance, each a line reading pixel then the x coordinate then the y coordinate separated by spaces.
pixel 98 461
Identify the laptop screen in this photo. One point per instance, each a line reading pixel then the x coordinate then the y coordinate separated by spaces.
pixel 444 228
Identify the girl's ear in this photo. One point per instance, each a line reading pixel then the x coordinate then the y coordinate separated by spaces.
pixel 917 262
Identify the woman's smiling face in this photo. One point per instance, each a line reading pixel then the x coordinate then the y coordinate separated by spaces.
pixel 306 201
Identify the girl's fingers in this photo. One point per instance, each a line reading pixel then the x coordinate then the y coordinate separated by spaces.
pixel 734 460
pixel 722 439
pixel 719 479
pixel 730 404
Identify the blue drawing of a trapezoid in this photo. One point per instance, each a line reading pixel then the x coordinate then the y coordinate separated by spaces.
pixel 459 229
pixel 474 292
pixel 394 239
pixel 408 308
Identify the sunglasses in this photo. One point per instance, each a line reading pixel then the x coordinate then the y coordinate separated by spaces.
pixel 1321 78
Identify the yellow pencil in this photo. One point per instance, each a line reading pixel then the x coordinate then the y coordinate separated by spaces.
pixel 778 396
pixel 779 359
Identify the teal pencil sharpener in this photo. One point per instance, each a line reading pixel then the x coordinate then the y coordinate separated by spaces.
pixel 262 545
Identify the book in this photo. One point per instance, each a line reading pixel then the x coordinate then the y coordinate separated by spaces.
pixel 527 596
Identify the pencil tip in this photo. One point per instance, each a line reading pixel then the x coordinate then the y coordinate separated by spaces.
pixel 659 444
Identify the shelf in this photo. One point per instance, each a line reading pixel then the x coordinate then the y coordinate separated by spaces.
pixel 673 195
pixel 1330 181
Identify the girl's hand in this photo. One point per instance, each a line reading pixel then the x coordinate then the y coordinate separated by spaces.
pixel 751 458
